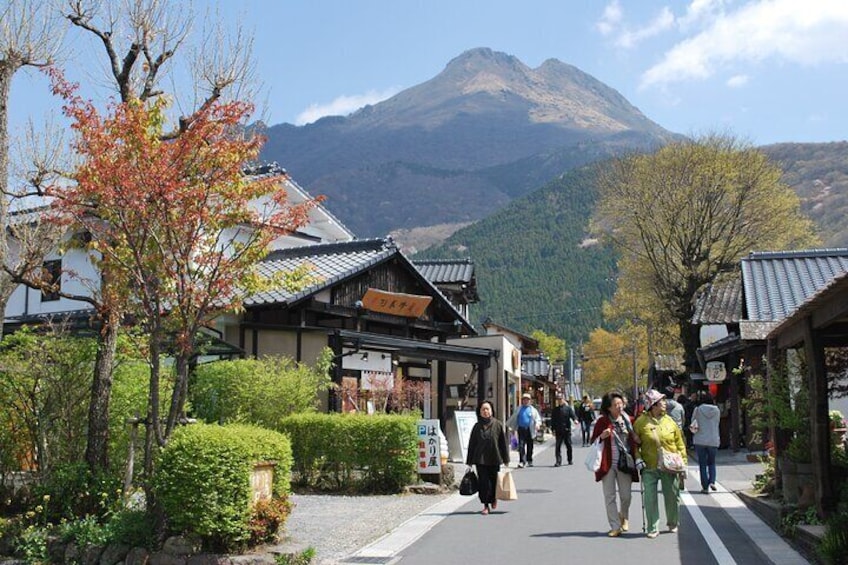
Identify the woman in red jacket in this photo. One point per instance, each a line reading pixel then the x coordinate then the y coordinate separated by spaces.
pixel 618 440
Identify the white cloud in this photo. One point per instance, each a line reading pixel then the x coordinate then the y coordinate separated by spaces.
pixel 343 105
pixel 610 19
pixel 804 33
pixel 737 81
pixel 612 24
pixel 662 22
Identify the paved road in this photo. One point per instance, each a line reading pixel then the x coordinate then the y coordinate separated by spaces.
pixel 560 515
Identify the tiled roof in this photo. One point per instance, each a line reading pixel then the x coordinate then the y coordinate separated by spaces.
pixel 838 285
pixel 329 263
pixel 776 283
pixel 443 271
pixel 720 303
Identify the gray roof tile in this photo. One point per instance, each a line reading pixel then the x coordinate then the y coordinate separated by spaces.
pixel 329 264
pixel 776 283
pixel 720 303
pixel 443 271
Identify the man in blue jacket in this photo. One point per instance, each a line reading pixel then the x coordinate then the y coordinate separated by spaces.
pixel 527 421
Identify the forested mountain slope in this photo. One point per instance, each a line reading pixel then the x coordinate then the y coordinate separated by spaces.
pixel 535 267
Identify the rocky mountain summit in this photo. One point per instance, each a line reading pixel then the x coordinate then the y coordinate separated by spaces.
pixel 485 130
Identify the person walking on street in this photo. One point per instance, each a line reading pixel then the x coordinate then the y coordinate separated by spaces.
pixel 488 450
pixel 674 409
pixel 705 436
pixel 689 403
pixel 586 414
pixel 527 422
pixel 561 418
pixel 656 430
pixel 617 472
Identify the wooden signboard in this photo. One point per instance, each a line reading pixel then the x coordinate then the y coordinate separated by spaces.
pixel 396 303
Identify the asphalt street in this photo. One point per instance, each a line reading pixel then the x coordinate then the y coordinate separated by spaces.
pixel 559 515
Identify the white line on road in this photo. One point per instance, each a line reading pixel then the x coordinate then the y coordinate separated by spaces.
pixel 710 536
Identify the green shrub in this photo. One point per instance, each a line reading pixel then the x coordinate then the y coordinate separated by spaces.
pixel 258 391
pixel 834 544
pixel 31 544
pixel 130 391
pixel 71 490
pixel 84 532
pixel 133 528
pixel 356 452
pixel 203 480
pixel 305 557
pixel 45 383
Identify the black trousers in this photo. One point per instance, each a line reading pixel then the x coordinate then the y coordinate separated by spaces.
pixel 525 445
pixel 563 436
pixel 487 478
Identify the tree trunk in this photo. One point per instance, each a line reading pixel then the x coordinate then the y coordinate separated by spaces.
pixel 97 449
pixel 7 70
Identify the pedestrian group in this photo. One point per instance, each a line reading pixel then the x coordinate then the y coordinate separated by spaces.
pixel 649 448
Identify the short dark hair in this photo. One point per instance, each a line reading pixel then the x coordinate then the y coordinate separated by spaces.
pixel 606 401
pixel 704 397
pixel 492 406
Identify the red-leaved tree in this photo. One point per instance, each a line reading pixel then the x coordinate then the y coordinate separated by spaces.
pixel 176 228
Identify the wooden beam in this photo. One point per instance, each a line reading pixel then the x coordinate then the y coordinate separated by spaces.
pixel 820 440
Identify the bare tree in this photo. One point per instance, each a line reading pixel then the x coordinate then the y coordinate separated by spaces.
pixel 29 37
pixel 141 39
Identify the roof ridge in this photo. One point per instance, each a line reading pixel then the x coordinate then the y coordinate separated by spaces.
pixel 794 254
pixel 354 246
pixel 466 260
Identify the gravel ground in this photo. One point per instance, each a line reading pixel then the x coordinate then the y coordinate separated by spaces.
pixel 337 526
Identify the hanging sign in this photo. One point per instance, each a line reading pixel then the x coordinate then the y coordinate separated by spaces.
pixel 716 372
pixel 395 303
pixel 378 380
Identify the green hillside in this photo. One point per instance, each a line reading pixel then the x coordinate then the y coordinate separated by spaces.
pixel 535 268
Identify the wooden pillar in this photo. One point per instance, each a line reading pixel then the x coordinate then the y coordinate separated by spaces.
pixel 776 435
pixel 482 377
pixel 735 403
pixel 334 401
pixel 820 440
pixel 441 392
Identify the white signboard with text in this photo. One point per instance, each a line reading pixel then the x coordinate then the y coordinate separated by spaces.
pixel 429 447
pixel 465 420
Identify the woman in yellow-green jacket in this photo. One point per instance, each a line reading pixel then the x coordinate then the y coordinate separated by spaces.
pixel 654 428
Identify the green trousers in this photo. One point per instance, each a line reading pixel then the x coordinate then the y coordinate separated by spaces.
pixel 671 496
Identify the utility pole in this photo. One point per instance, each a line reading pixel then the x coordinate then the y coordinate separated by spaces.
pixel 635 374
pixel 571 371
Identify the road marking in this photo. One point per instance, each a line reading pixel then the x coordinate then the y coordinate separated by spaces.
pixel 410 531
pixel 714 542
pixel 770 544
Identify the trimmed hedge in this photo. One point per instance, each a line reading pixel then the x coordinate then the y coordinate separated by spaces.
pixel 353 452
pixel 203 480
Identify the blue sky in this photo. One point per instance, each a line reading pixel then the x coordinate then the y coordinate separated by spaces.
pixel 768 71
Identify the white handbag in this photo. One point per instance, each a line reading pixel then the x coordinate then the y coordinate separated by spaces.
pixel 593 458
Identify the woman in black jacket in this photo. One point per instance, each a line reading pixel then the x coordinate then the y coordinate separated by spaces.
pixel 488 450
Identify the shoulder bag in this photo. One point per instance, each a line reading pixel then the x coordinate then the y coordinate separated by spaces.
pixel 626 463
pixel 668 461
